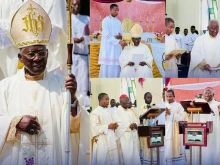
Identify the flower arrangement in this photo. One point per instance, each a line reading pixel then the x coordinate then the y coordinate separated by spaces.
pixel 159 36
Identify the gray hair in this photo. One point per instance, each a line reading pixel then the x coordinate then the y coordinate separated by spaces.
pixel 209 89
pixel 213 20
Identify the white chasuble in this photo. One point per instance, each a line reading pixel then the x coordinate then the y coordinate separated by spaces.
pixel 128 140
pixel 174 150
pixel 206 50
pixel 104 147
pixel 136 54
pixel 44 99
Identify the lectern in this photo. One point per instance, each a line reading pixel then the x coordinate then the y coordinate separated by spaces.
pixel 154 133
pixel 195 133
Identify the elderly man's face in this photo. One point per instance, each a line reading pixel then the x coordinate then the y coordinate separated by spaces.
pixel 34 58
pixel 208 95
pixel 125 102
pixel 136 41
pixel 213 29
pixel 75 6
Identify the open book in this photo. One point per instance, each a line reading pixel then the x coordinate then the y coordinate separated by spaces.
pixel 215 68
pixel 177 51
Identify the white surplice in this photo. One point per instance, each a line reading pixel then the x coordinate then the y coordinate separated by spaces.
pixel 80 66
pixel 210 154
pixel 136 70
pixel 128 141
pixel 171 70
pixel 56 10
pixel 45 99
pixel 110 48
pixel 206 50
pixel 105 151
pixel 174 153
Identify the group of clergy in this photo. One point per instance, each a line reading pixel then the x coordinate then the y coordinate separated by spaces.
pixel 116 57
pixel 203 51
pixel 115 139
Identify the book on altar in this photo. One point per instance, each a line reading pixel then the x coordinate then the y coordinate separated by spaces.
pixel 214 68
pixel 176 52
pixel 137 58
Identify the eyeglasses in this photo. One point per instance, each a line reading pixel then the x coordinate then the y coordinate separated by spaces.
pixel 32 55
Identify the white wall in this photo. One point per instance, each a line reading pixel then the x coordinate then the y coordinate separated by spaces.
pixel 110 86
pixel 153 85
pixel 185 13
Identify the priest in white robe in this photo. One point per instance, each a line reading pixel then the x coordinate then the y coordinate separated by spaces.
pixel 128 141
pixel 171 70
pixel 205 55
pixel 80 32
pixel 113 107
pixel 174 153
pixel 58 40
pixel 136 61
pixel 192 38
pixel 111 45
pixel 209 154
pixel 33 103
pixel 145 151
pixel 104 147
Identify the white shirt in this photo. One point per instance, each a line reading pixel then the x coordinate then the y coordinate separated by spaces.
pixel 178 38
pixel 78 30
pixel 184 40
pixel 191 40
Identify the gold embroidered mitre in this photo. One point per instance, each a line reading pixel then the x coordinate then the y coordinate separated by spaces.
pixel 30 25
pixel 136 31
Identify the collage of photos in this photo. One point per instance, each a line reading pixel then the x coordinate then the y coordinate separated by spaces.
pixel 109 82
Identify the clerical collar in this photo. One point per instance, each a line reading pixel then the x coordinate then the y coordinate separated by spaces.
pixel 34 78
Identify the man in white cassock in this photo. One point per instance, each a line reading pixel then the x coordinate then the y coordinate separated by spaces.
pixel 111 44
pixel 171 70
pixel 209 154
pixel 80 32
pixel 178 36
pixel 33 102
pixel 174 153
pixel 104 147
pixel 56 10
pixel 205 55
pixel 126 133
pixel 136 61
pixel 145 151
pixel 113 107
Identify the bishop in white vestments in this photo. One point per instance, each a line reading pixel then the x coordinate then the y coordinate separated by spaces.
pixel 205 55
pixel 174 153
pixel 126 133
pixel 104 147
pixel 111 43
pixel 136 61
pixel 56 10
pixel 209 154
pixel 33 102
